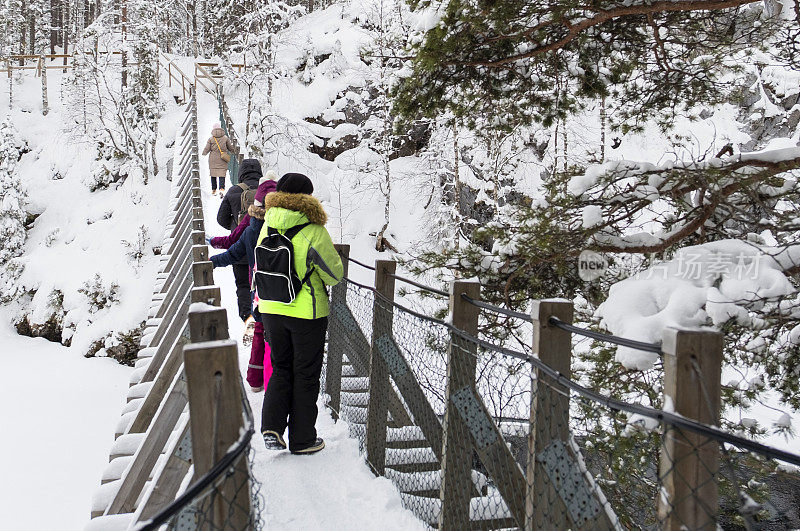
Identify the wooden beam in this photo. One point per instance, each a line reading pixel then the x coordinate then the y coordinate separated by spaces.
pixel 379 386
pixel 689 464
pixel 457 447
pixel 146 456
pixel 161 385
pixel 203 273
pixel 336 339
pixel 215 407
pixel 165 486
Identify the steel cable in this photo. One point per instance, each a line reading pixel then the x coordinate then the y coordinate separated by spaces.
pixel 711 432
pixel 608 338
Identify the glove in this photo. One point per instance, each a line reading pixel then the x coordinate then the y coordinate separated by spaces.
pixel 208 240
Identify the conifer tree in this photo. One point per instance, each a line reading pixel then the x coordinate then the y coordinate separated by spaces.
pixel 504 59
pixel 12 209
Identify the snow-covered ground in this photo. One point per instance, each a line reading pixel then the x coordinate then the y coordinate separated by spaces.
pixel 58 412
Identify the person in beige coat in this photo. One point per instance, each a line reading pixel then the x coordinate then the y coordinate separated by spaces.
pixel 216 145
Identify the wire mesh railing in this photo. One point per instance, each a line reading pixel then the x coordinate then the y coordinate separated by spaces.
pixel 478 436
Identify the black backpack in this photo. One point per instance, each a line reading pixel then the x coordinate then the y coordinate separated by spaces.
pixel 275 278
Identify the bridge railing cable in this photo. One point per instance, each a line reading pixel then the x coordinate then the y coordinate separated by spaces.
pixel 421 286
pixel 599 336
pixel 607 338
pixel 430 401
pixel 362 264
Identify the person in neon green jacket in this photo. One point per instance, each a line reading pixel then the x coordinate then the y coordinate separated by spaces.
pixel 312 248
pixel 296 331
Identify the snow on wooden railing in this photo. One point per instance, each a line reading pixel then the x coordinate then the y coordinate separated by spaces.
pixel 158 450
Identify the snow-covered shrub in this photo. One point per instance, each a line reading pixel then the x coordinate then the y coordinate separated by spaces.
pixel 12 197
pixel 52 237
pixel 122 346
pixel 112 166
pixel 99 294
pixel 49 327
pixel 9 274
pixel 138 249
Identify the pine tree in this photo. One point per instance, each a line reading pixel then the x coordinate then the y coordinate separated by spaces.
pixel 12 210
pixel 503 59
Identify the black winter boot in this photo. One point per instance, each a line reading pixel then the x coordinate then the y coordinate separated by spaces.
pixel 273 440
pixel 318 445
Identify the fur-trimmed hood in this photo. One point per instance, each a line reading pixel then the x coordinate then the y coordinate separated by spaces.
pixel 307 205
pixel 257 212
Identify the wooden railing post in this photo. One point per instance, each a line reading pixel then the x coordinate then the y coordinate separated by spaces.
pixel 689 462
pixel 544 509
pixel 379 386
pixel 199 253
pixel 333 367
pixel 457 448
pixel 214 387
pixel 203 273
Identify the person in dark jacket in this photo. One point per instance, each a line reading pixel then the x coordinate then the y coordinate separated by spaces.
pixel 228 213
pixel 259 368
pixel 244 247
pixel 228 217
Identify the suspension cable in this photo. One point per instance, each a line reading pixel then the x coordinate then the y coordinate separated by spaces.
pixel 362 264
pixel 608 338
pixel 420 286
pixel 496 309
pixel 711 432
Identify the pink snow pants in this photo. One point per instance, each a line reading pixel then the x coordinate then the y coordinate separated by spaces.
pixel 260 367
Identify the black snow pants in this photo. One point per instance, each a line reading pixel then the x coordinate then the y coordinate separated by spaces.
pixel 291 396
pixel 241 275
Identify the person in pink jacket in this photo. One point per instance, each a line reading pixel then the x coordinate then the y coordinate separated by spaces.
pixel 259 369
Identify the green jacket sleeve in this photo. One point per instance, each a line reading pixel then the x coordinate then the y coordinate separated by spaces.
pixel 323 255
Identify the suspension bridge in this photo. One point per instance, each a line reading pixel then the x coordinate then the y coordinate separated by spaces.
pixel 473 435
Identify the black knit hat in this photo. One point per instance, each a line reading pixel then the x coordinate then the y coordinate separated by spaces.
pixel 295 183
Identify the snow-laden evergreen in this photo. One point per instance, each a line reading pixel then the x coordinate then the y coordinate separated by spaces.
pixel 12 209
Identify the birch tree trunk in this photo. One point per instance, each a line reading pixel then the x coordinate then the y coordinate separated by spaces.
pixel 45 108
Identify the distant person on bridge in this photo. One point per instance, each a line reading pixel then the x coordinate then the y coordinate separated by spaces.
pixel 294 309
pixel 241 243
pixel 231 212
pixel 217 148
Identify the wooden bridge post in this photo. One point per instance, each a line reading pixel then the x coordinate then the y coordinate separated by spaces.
pixel 457 447
pixel 379 386
pixel 333 367
pixel 689 462
pixel 203 273
pixel 214 387
pixel 549 413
